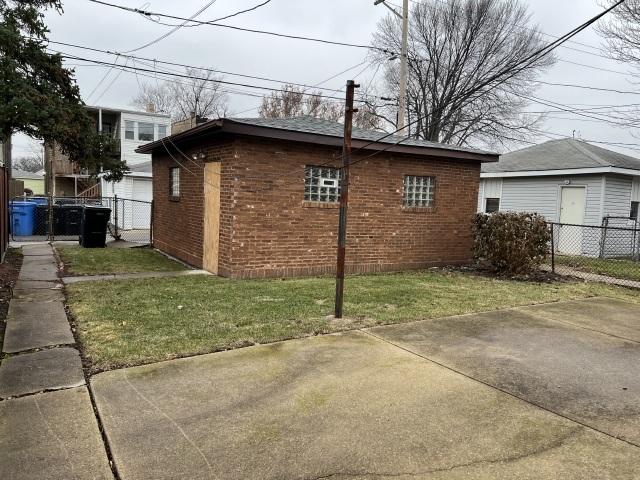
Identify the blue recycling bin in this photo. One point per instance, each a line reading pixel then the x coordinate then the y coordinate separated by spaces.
pixel 39 200
pixel 23 215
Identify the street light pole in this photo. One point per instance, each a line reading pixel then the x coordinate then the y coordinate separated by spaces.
pixel 404 55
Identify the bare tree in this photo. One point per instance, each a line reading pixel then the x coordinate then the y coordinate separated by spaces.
pixel 201 93
pixel 32 162
pixel 621 32
pixel 465 84
pixel 292 101
pixel 28 164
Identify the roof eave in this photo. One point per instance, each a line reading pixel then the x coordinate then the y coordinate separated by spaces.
pixel 559 172
pixel 238 128
pixel 179 137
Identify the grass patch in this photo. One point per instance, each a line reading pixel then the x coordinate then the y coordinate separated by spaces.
pixel 104 261
pixel 129 322
pixel 617 268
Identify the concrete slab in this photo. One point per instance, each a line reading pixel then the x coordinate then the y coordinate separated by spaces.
pixel 32 324
pixel 37 250
pixel 584 375
pixel 52 436
pixel 608 315
pixel 36 284
pixel 51 369
pixel 47 310
pixel 38 294
pixel 39 268
pixel 337 406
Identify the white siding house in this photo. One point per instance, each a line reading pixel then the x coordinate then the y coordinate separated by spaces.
pixel 570 182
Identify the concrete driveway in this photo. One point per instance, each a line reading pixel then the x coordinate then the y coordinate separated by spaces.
pixel 540 392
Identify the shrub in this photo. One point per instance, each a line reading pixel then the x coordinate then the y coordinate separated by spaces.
pixel 511 243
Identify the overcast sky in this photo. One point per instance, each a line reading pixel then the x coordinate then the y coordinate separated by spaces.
pixel 352 21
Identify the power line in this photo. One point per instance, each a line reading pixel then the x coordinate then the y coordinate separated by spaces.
pixel 250 30
pixel 224 82
pixel 206 69
pixel 173 30
pixel 216 20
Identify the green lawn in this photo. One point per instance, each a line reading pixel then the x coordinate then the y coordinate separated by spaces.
pixel 129 322
pixel 99 261
pixel 618 268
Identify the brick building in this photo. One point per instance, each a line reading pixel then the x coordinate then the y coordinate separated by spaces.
pixel 259 198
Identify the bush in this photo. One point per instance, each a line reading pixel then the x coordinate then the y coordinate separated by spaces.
pixel 511 243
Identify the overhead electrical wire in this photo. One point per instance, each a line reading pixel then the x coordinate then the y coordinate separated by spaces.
pixel 242 29
pixel 206 69
pixel 173 30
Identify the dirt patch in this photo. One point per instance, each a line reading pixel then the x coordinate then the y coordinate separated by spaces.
pixel 539 276
pixel 9 270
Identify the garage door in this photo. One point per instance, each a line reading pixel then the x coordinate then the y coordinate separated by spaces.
pixel 142 191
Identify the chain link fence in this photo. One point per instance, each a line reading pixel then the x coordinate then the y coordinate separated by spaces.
pixel 32 219
pixel 606 252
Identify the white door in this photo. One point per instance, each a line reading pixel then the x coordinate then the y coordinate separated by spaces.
pixel 572 204
pixel 141 209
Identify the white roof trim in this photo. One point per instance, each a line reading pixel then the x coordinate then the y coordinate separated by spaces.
pixel 139 174
pixel 566 171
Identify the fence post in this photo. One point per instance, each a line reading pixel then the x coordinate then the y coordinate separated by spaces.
pixel 603 240
pixel 151 224
pixel 50 230
pixel 553 250
pixel 115 217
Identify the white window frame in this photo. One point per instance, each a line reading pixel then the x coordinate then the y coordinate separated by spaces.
pixel 419 191
pixel 152 132
pixel 321 184
pixel 133 129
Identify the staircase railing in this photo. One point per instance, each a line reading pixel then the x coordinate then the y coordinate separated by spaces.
pixel 91 192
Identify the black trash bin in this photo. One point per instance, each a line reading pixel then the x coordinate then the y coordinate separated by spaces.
pixel 70 219
pixel 41 226
pixel 93 228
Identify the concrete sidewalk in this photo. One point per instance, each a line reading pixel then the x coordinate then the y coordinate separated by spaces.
pixel 48 429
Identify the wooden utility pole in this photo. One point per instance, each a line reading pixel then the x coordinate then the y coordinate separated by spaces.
pixel 404 57
pixel 344 195
pixel 402 100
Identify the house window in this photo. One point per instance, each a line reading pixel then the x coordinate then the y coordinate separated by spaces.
pixel 162 131
pixel 492 205
pixel 322 184
pixel 145 132
pixel 174 187
pixel 129 128
pixel 634 210
pixel 419 191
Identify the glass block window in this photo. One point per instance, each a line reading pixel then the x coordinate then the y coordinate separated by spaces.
pixel 145 132
pixel 129 130
pixel 174 176
pixel 322 184
pixel 419 191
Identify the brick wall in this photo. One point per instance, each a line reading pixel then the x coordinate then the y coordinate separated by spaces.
pixel 266 229
pixel 178 222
